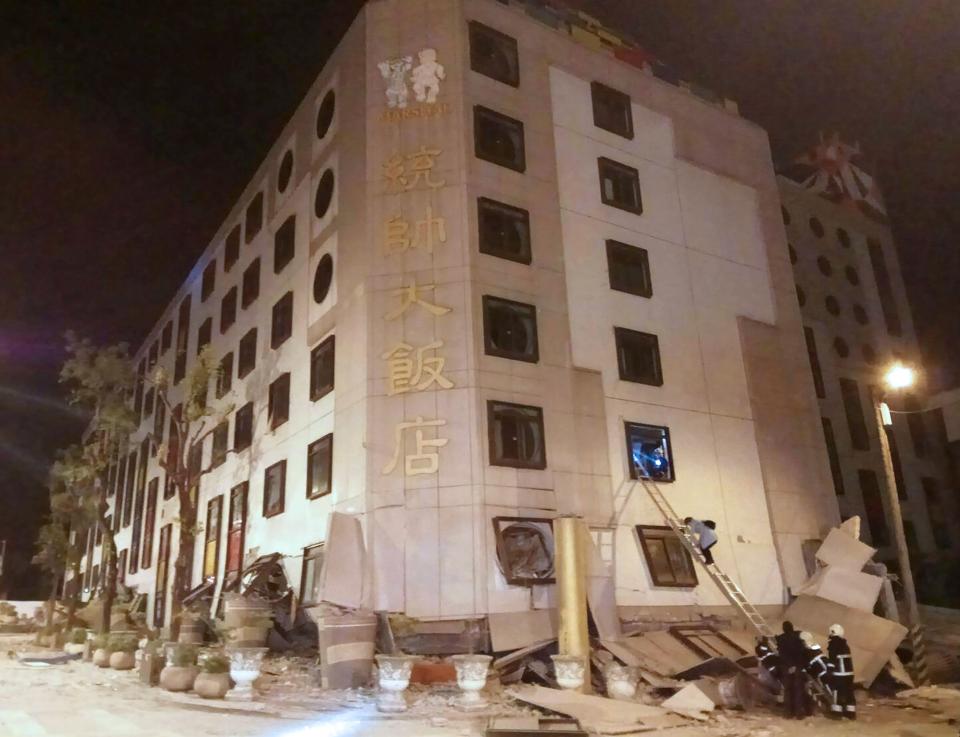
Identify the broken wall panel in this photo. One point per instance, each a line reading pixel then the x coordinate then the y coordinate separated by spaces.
pixel 851 588
pixel 344 562
pixel 514 630
pixel 843 551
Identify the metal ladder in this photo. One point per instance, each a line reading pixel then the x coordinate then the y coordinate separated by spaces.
pixel 726 584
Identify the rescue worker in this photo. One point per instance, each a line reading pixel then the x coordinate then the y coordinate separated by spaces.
pixel 769 663
pixel 844 700
pixel 818 669
pixel 706 536
pixel 793 662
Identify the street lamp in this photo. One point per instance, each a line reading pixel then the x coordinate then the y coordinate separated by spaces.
pixel 897 378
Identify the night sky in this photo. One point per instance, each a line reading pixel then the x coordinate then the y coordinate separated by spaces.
pixel 127 130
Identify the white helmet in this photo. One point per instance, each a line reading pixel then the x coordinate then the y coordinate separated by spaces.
pixel 807 638
pixel 836 630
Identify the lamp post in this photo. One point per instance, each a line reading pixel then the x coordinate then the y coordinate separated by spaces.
pixel 897 378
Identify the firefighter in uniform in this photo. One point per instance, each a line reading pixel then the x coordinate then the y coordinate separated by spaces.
pixel 818 669
pixel 844 702
pixel 770 662
pixel 793 663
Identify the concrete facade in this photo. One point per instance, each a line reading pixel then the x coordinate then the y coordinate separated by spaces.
pixel 413 460
pixel 856 329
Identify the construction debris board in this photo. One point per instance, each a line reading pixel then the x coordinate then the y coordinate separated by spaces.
pixel 517 630
pixel 344 562
pixel 844 586
pixel 841 550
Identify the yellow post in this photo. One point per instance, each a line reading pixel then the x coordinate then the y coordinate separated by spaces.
pixel 573 638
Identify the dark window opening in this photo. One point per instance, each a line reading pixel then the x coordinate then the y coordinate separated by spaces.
pixel 884 287
pixel 274 489
pixel 860 314
pixel 278 408
pixel 504 231
pixel 247 353
pixel 225 375
pixel 325 114
pixel 285 171
pixel 649 452
pixel 853 408
pixel 320 467
pixel 204 334
pixel 823 264
pixel 843 237
pixel 832 304
pixel 310 578
pixel 281 325
pixel 612 110
pixel 516 435
pixel 221 438
pixel 251 284
pixel 166 337
pixel 253 221
pixel 817 227
pixel 525 550
pixel 494 54
pixel 322 368
pixel 510 329
pixel 243 427
pixel 629 269
pixel 209 281
pixel 231 248
pixel 284 244
pixel 835 468
pixel 852 276
pixel 667 560
pixel 638 357
pixel 228 310
pixel 323 278
pixel 620 186
pixel 918 431
pixel 841 347
pixel 324 194
pixel 936 512
pixel 498 139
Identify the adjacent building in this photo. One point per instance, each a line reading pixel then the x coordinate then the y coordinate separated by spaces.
pixel 856 322
pixel 494 263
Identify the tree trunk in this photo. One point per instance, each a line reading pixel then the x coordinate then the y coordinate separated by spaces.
pixel 110 581
pixel 74 600
pixel 52 603
pixel 183 565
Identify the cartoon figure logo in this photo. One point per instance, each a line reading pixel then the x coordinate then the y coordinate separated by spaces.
pixel 394 71
pixel 426 76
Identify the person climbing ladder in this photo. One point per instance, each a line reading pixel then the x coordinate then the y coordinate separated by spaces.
pixel 706 536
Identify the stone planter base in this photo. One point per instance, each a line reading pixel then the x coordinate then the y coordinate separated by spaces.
pixel 101 658
pixel 123 661
pixel 178 677
pixel 212 685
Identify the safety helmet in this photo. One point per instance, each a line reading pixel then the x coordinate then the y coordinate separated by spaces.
pixel 836 630
pixel 807 638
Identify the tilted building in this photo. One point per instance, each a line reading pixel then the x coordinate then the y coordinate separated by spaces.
pixel 492 264
pixel 857 322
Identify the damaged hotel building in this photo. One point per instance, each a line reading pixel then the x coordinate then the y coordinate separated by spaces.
pixel 484 272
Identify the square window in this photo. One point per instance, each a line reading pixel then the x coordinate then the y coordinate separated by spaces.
pixel 274 488
pixel 225 375
pixel 525 550
pixel 516 435
pixel 159 421
pixel 209 281
pixel 211 538
pixel 310 580
pixel 243 427
pixel 611 110
pixel 852 406
pixel 228 310
pixel 278 408
pixel 254 217
pixel 204 334
pixel 648 452
pixel 231 248
pixel 247 353
pixel 221 438
pixel 321 368
pixel 183 338
pixel 504 231
pixel 620 186
pixel 284 244
pixel 320 467
pixel 251 284
pixel 510 329
pixel 494 54
pixel 281 325
pixel 148 403
pixel 498 139
pixel 638 356
pixel 668 561
pixel 153 355
pixel 629 269
pixel 166 337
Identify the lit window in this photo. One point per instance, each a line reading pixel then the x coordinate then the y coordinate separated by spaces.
pixel 649 452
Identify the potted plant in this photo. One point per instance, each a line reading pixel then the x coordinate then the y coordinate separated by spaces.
pixel 181 669
pixel 213 681
pixel 101 651
pixel 122 649
pixel 76 641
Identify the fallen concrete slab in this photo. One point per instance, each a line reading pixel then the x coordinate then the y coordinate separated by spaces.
pixel 843 551
pixel 690 701
pixel 844 586
pixel 344 562
pixel 515 630
pixel 596 713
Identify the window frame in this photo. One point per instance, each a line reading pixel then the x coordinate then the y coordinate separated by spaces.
pixel 238 426
pixel 281 321
pixel 315 392
pixel 619 97
pixel 243 370
pixel 622 338
pixel 221 436
pixel 602 163
pixel 492 406
pixel 668 444
pixel 204 334
pixel 208 282
pixel 667 535
pixel 250 284
pixel 253 217
pixel 283 488
pixel 231 248
pixel 488 205
pixel 285 244
pixel 311 552
pixel 228 310
pixel 489 348
pixel 499 546
pixel 635 254
pixel 281 383
pixel 318 446
pixel 492 35
pixel 224 376
pixel 480 113
pixel 243 491
pixel 217 502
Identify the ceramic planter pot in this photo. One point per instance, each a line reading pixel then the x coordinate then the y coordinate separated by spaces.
pixel 123 661
pixel 244 669
pixel 569 671
pixel 212 685
pixel 472 677
pixel 101 658
pixel 178 677
pixel 393 677
pixel 621 682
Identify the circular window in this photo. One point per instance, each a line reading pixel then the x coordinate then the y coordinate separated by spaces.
pixel 321 203
pixel 841 347
pixel 325 114
pixel 844 237
pixel 785 214
pixel 852 276
pixel 860 314
pixel 793 253
pixel 817 227
pixel 285 171
pixel 323 278
pixel 833 306
pixel 801 296
pixel 824 265
pixel 869 354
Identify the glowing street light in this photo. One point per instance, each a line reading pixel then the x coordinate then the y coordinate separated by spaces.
pixel 899 376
